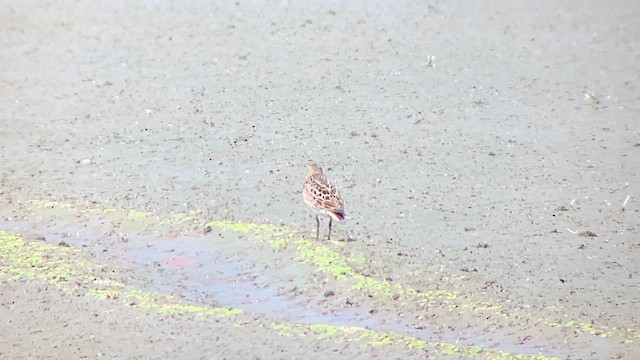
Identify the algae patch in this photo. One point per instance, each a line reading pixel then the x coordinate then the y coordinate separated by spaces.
pixel 136 214
pixel 68 269
pixel 368 337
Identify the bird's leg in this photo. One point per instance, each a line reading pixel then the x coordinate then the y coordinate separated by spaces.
pixel 330 227
pixel 317 228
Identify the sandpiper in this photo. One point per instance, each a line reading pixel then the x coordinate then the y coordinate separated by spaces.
pixel 322 196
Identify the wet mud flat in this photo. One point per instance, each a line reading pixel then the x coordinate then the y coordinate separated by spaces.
pixel 273 274
pixel 152 157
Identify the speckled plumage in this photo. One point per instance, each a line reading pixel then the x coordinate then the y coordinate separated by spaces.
pixel 322 196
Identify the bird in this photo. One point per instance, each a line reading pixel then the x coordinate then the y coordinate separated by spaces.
pixel 323 197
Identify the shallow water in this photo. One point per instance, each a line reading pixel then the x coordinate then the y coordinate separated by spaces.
pixel 199 270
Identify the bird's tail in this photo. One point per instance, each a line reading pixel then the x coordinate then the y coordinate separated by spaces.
pixel 338 215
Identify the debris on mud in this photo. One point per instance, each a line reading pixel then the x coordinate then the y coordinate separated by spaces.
pixel 587 234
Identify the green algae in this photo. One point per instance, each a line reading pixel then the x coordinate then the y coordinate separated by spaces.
pixel 136 214
pixel 66 269
pixel 244 227
pixel 328 261
pixel 38 260
pixel 368 337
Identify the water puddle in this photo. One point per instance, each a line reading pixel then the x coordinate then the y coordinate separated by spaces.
pixel 225 272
